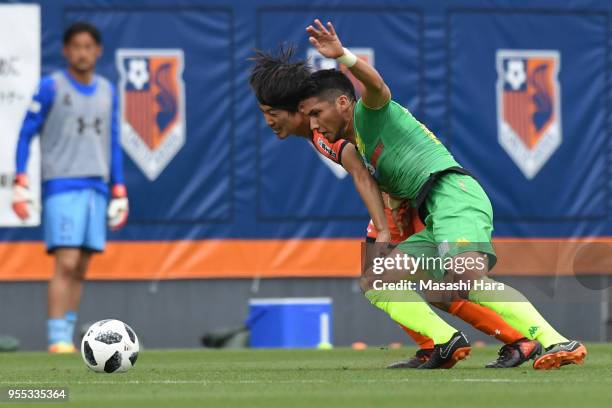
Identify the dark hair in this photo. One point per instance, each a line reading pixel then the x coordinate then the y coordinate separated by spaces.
pixel 329 84
pixel 277 81
pixel 82 27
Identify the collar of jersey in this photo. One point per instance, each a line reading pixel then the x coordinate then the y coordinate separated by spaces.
pixel 88 89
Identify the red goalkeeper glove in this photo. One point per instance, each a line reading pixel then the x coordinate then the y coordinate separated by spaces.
pixel 22 197
pixel 118 208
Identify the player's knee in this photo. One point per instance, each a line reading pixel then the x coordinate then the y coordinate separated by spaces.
pixel 67 266
pixel 469 266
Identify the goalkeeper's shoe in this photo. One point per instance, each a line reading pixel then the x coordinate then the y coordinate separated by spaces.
pixel 62 348
pixel 448 354
pixel 515 354
pixel 421 356
pixel 560 354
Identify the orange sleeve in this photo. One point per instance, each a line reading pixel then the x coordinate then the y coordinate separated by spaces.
pixel 333 151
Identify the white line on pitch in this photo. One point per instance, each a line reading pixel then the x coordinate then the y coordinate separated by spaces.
pixel 216 382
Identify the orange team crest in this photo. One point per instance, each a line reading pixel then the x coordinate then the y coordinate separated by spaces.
pixel 528 106
pixel 152 106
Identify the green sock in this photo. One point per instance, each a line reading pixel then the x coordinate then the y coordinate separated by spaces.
pixel 409 309
pixel 518 312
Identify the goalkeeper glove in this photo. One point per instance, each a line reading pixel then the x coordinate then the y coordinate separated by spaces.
pixel 22 197
pixel 118 207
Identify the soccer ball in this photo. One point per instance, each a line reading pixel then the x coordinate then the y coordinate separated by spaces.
pixel 110 346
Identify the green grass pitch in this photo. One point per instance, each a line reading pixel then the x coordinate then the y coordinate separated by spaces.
pixel 310 378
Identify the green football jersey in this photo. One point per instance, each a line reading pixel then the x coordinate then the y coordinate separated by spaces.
pixel 401 149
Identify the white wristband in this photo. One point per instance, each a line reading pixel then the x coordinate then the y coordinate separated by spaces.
pixel 348 58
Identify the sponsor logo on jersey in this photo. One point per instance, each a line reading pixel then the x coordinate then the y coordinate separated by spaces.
pixel 325 153
pixel 327 149
pixel 152 106
pixel 529 106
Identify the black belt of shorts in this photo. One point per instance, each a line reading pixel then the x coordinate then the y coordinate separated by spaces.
pixel 421 198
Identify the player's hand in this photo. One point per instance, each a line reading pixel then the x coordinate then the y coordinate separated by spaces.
pixel 118 208
pixel 383 236
pixel 22 197
pixel 396 206
pixel 325 40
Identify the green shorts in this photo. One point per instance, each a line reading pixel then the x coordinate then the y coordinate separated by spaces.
pixel 460 220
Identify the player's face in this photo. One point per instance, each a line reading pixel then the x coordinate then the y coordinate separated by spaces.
pixel 82 52
pixel 324 116
pixel 282 122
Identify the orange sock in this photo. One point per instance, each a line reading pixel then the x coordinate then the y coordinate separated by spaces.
pixel 423 341
pixel 485 320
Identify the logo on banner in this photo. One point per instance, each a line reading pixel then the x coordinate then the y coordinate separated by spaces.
pixel 152 106
pixel 319 62
pixel 528 106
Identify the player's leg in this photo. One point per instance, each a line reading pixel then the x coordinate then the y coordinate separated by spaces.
pixel 462 215
pixel 425 343
pixel 523 316
pixel 64 216
pixel 94 240
pixel 426 347
pixel 409 309
pixel 76 290
pixel 59 296
pixel 411 224
pixel 484 320
pixel 517 348
pixel 477 316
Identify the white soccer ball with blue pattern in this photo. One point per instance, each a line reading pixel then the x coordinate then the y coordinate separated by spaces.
pixel 110 346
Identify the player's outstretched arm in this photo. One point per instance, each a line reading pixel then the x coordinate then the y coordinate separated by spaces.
pixel 368 190
pixel 376 93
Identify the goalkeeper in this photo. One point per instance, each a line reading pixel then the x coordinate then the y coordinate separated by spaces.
pixel 75 113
